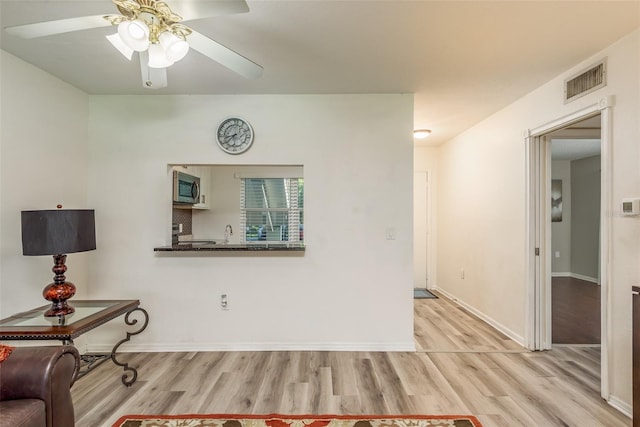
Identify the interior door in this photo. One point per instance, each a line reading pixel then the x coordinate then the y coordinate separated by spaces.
pixel 420 228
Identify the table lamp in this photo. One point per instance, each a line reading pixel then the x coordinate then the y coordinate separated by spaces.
pixel 58 232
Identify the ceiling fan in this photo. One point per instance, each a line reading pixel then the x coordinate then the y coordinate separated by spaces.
pixel 156 32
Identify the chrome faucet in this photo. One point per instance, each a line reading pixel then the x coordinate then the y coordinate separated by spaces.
pixel 228 231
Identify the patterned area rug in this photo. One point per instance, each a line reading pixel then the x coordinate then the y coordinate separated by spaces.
pixel 275 420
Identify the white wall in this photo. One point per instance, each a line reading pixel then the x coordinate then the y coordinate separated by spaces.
pixel 43 156
pixel 352 287
pixel 481 209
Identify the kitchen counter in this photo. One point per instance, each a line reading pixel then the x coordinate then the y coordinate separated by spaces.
pixel 229 247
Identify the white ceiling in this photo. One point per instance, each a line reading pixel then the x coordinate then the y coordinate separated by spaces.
pixel 463 60
pixel 578 140
pixel 574 149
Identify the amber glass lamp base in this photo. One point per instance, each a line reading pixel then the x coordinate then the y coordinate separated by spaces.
pixel 60 290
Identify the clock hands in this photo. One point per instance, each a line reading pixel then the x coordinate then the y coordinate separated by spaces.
pixel 237 137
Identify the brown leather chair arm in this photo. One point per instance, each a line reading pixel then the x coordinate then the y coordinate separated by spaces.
pixel 45 373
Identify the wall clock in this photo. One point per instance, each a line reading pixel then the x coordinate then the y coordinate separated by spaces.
pixel 234 135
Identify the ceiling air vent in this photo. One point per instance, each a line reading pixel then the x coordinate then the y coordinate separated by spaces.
pixel 585 82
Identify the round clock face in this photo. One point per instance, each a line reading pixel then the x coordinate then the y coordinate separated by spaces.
pixel 235 135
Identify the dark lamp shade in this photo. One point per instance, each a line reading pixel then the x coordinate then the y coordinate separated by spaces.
pixel 58 231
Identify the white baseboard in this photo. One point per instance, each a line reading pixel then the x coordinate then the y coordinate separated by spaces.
pixel 624 407
pixel 576 276
pixel 586 278
pixel 497 325
pixel 268 346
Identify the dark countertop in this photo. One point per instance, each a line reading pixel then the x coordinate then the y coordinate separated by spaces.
pixel 224 247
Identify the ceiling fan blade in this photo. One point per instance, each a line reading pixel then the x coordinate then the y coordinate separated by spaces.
pixel 48 28
pixel 198 9
pixel 224 56
pixel 152 78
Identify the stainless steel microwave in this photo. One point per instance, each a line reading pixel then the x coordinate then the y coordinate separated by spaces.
pixel 186 188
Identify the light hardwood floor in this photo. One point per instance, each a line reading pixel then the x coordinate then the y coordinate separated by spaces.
pixel 463 366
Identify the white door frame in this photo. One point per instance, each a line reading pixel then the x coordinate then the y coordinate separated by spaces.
pixel 538 236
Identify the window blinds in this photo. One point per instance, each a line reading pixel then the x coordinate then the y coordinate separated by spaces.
pixel 272 210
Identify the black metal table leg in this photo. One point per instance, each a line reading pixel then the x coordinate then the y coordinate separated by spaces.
pixel 129 370
pixel 88 361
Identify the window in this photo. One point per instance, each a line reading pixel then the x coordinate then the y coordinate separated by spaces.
pixel 272 210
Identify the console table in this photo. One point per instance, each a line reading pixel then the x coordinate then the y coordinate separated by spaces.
pixel 89 314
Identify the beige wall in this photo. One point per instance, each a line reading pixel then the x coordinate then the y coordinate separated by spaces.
pixel 481 220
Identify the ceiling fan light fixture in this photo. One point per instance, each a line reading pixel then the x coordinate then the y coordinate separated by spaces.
pixel 134 34
pixel 119 44
pixel 158 57
pixel 174 47
pixel 139 25
pixel 421 133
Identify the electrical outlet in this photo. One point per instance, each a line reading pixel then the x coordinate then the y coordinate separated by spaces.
pixel 557 254
pixel 224 302
pixel 462 273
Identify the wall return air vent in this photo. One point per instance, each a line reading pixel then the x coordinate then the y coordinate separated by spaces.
pixel 585 82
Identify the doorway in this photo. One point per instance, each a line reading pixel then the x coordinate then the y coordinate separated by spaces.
pixel 575 233
pixel 420 229
pixel 539 249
